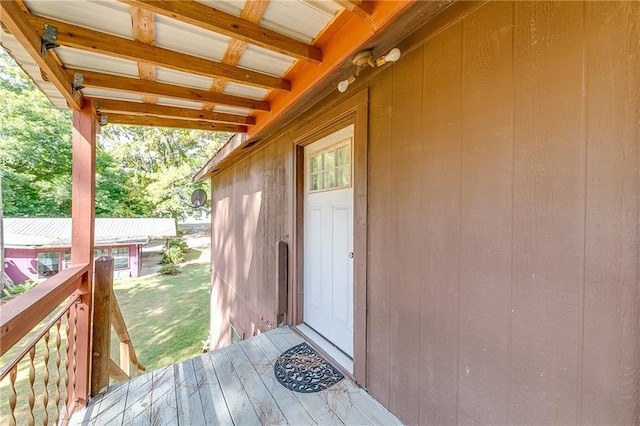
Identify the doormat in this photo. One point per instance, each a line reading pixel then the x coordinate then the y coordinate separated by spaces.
pixel 302 369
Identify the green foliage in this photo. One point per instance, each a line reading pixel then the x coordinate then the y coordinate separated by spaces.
pixel 180 243
pixel 173 255
pixel 140 171
pixel 170 269
pixel 19 289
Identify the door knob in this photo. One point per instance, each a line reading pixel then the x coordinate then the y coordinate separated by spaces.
pixel 350 255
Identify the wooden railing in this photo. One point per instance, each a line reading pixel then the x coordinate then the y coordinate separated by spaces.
pixel 75 338
pixel 107 315
pixel 59 390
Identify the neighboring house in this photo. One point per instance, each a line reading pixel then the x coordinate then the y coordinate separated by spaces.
pixel 37 248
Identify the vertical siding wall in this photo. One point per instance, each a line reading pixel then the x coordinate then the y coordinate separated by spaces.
pixel 248 202
pixel 504 159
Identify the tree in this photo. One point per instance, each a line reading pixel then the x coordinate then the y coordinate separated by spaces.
pixel 35 147
pixel 140 171
pixel 162 162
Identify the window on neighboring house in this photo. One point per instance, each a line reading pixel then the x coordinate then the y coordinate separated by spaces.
pixel 48 264
pixel 99 252
pixel 120 257
pixel 330 169
pixel 67 259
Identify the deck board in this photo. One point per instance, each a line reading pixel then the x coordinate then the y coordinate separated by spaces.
pixel 138 398
pixel 211 397
pixel 188 385
pixel 231 386
pixel 293 410
pixel 164 405
pixel 240 407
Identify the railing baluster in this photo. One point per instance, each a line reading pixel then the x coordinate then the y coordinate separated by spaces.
pixel 45 380
pixel 58 361
pixel 36 393
pixel 32 380
pixel 13 397
pixel 74 360
pixel 66 365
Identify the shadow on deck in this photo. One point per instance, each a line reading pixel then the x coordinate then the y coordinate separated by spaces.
pixel 231 386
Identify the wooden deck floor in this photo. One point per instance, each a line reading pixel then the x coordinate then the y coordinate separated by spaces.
pixel 231 386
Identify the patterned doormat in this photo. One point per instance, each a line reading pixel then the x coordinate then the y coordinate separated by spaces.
pixel 302 369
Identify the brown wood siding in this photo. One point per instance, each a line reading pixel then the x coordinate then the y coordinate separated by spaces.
pixel 503 259
pixel 503 265
pixel 248 201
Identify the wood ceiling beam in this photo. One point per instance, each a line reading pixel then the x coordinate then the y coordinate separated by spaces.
pixel 211 19
pixel 348 34
pixel 93 41
pixel 252 11
pixel 109 106
pixel 141 120
pixel 144 30
pixel 362 8
pixel 16 21
pixel 146 87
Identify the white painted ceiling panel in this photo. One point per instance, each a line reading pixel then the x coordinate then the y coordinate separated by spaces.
pixel 108 17
pixel 265 61
pixel 165 75
pixel 73 58
pixel 110 94
pixel 179 103
pixel 245 91
pixel 179 36
pixel 296 19
pixel 232 7
pixel 16 50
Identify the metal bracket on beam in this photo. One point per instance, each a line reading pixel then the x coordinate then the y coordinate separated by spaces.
pixel 78 81
pixel 104 120
pixel 48 39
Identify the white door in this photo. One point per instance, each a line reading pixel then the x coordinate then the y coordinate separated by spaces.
pixel 328 238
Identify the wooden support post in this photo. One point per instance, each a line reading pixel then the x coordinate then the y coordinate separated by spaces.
pixel 82 228
pixel 125 363
pixel 101 350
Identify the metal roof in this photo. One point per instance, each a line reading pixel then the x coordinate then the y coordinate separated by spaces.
pixel 246 63
pixel 35 232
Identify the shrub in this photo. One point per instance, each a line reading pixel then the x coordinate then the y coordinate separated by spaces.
pixel 18 289
pixel 180 243
pixel 173 255
pixel 170 269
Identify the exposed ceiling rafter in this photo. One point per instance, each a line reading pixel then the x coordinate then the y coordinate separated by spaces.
pixel 142 120
pixel 252 11
pixel 15 19
pixel 146 87
pixel 93 41
pixel 211 19
pixel 144 30
pixel 362 8
pixel 137 108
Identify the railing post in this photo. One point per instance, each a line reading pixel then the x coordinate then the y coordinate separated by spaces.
pixel 83 178
pixel 125 357
pixel 101 352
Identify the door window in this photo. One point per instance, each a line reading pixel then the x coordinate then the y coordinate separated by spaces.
pixel 331 169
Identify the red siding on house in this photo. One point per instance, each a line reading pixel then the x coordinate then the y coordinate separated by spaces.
pixel 503 211
pixel 21 264
pixel 18 264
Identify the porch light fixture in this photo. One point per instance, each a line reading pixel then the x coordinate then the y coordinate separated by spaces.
pixel 365 59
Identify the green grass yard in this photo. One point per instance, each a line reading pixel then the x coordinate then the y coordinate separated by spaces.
pixel 167 318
